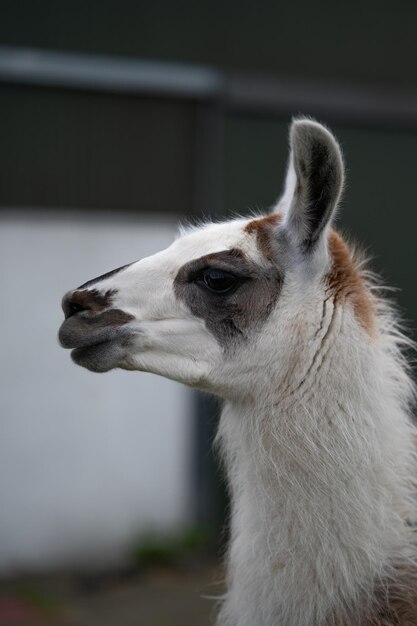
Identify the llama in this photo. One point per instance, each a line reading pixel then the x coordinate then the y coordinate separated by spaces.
pixel 276 316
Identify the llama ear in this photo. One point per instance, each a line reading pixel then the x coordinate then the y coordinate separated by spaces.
pixel 314 182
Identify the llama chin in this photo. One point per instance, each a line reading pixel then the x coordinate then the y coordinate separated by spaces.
pixel 275 315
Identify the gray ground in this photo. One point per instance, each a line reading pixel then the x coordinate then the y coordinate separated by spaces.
pixel 156 597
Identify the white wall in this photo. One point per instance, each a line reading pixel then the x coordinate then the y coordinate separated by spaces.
pixel 86 460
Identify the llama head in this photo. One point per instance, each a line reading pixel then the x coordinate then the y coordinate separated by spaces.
pixel 225 300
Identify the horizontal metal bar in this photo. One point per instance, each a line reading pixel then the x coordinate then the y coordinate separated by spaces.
pixel 360 104
pixel 33 66
pixel 236 92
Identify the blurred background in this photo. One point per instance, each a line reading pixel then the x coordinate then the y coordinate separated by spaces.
pixel 117 120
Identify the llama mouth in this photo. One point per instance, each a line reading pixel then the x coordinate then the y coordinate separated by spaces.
pixel 84 331
pixel 100 357
pixel 94 345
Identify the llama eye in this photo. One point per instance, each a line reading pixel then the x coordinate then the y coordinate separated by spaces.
pixel 218 280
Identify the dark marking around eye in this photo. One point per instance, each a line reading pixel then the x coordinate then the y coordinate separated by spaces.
pixel 229 315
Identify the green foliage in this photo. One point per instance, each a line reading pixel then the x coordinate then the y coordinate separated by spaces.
pixel 154 548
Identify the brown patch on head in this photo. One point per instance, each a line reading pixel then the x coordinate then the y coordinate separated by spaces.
pixel 347 284
pixel 262 227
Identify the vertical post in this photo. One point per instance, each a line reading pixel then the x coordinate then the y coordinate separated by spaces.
pixel 208 493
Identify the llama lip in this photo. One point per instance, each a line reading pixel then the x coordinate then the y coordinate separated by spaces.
pixel 99 357
pixel 83 331
pixel 95 344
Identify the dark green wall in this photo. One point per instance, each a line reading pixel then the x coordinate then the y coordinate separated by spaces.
pixel 369 42
pixel 63 148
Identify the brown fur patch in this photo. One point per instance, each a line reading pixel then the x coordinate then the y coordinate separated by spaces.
pixel 261 227
pixel 346 283
pixel 86 300
pixel 397 599
pixel 345 280
pixel 395 602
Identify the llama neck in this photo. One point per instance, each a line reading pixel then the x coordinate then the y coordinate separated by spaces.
pixel 320 494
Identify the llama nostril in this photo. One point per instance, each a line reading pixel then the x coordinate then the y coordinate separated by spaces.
pixel 88 301
pixel 72 305
pixel 73 308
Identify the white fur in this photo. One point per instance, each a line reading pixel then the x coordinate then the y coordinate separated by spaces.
pixel 322 475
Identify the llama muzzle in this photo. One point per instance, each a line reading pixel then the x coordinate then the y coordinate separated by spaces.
pixel 88 320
